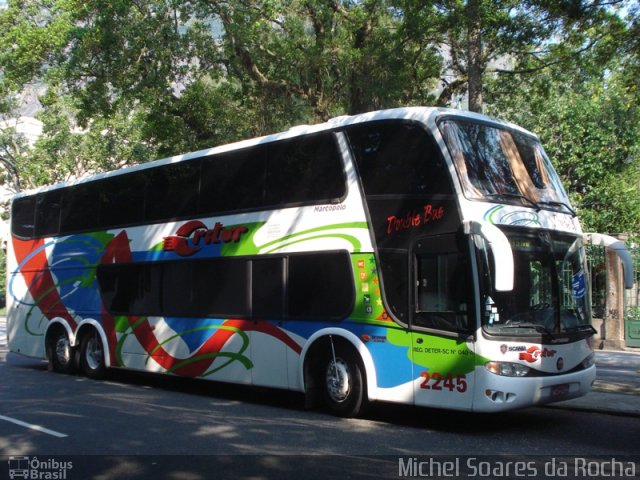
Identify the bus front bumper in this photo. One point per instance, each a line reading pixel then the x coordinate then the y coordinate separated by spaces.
pixel 495 393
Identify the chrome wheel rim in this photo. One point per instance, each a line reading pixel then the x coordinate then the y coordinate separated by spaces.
pixel 94 353
pixel 63 350
pixel 338 380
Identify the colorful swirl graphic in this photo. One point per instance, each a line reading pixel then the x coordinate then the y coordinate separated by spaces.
pixel 61 279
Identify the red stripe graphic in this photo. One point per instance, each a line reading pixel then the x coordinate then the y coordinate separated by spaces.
pixel 118 251
pixel 34 267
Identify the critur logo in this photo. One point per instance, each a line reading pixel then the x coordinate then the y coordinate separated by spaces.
pixel 193 235
pixel 534 353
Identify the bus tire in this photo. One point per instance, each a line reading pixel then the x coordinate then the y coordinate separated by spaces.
pixel 60 352
pixel 343 382
pixel 92 361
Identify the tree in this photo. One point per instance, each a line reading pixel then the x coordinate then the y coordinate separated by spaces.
pixel 12 145
pixel 488 38
pixel 310 60
pixel 203 72
pixel 12 148
pixel 585 109
pixel 132 81
pixel 591 130
pixel 65 151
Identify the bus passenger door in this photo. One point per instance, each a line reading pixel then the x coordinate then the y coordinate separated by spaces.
pixel 443 319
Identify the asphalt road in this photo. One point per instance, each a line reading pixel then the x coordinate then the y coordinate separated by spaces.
pixel 138 426
pixel 618 372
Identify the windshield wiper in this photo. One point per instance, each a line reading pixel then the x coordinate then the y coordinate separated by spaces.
pixel 581 328
pixel 558 204
pixel 538 328
pixel 519 196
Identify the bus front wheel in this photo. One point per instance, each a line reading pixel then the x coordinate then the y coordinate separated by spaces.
pixel 343 382
pixel 92 356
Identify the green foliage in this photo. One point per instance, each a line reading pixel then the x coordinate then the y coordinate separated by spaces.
pixel 591 131
pixel 309 60
pixel 33 33
pixel 65 151
pixel 13 148
pixel 3 275
pixel 581 96
pixel 132 81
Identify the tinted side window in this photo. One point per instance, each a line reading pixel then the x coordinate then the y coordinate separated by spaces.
pixel 288 172
pixel 23 213
pixel 131 289
pixel 396 158
pixel 232 181
pixel 442 294
pixel 172 191
pixel 395 273
pixel 216 287
pixel 122 199
pixel 48 213
pixel 268 287
pixel 320 286
pixel 304 169
pixel 79 208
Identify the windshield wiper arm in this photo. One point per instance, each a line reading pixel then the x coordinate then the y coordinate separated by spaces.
pixel 538 328
pixel 581 328
pixel 559 204
pixel 502 196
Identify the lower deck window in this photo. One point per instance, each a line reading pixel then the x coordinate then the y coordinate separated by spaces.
pixel 316 285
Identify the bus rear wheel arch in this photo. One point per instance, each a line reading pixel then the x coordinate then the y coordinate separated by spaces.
pixel 335 376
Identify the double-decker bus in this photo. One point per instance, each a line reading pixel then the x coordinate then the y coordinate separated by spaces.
pixel 417 255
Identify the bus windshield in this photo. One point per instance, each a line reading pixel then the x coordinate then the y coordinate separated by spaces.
pixel 550 292
pixel 504 166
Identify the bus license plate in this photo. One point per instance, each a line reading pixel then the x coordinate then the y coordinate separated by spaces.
pixel 559 391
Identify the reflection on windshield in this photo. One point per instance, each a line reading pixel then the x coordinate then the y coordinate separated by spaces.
pixel 501 165
pixel 550 292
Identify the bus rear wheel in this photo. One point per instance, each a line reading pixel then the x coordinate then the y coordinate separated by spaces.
pixel 60 351
pixel 92 356
pixel 343 382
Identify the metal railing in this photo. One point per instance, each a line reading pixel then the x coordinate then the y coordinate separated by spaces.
pixel 632 297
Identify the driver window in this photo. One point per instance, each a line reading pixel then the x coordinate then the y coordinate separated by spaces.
pixel 442 290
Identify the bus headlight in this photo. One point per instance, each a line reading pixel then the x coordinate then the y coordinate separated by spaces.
pixel 589 361
pixel 507 369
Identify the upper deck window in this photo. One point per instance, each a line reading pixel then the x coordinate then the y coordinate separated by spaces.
pixel 497 164
pixel 302 170
pixel 398 158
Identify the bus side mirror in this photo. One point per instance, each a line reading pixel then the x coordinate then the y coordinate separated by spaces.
pixel 501 250
pixel 620 250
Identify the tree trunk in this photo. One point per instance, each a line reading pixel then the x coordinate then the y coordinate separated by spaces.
pixel 474 55
pixel 614 316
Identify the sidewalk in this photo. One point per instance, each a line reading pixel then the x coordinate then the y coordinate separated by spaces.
pixel 610 394
pixel 3 332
